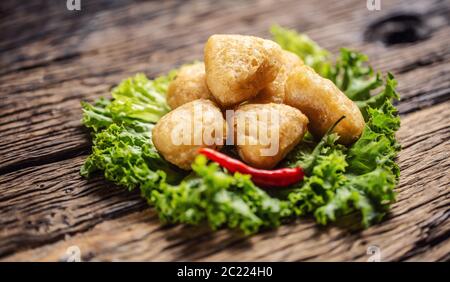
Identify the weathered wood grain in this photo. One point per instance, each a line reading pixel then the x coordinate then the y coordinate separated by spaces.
pixel 42 204
pixel 84 55
pixel 50 61
pixel 417 227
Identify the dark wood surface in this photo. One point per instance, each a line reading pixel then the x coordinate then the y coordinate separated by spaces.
pixel 52 58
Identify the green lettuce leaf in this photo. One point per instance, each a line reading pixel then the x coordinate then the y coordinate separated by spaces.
pixel 141 98
pixel 126 156
pixel 123 151
pixel 135 98
pixel 96 116
pixel 339 180
pixel 353 76
pixel 218 198
pixel 343 180
pixel 360 178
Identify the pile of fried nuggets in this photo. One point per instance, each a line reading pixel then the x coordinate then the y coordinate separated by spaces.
pixel 251 75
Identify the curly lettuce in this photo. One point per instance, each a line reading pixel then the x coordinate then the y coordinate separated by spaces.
pixel 123 151
pixel 359 179
pixel 218 198
pixel 135 98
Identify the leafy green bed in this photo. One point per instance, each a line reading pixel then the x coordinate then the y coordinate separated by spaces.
pixel 358 179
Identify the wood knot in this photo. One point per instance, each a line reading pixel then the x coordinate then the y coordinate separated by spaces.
pixel 397 28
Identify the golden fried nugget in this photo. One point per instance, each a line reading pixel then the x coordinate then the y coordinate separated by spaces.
pixel 274 92
pixel 189 85
pixel 323 103
pixel 266 133
pixel 239 66
pixel 179 134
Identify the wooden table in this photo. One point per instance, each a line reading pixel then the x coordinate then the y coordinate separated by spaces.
pixel 52 58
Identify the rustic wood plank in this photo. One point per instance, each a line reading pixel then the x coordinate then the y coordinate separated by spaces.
pixel 130 41
pixel 416 229
pixel 42 204
pixel 80 57
pixel 47 66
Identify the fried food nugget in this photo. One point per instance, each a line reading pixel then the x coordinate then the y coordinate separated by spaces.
pixel 266 133
pixel 323 103
pixel 189 85
pixel 239 66
pixel 179 134
pixel 274 92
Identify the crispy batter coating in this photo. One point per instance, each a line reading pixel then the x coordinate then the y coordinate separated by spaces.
pixel 179 134
pixel 239 66
pixel 189 85
pixel 284 127
pixel 323 103
pixel 274 92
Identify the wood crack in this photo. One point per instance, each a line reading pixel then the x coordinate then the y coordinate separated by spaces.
pixel 48 159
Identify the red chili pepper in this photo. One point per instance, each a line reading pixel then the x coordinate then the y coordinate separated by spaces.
pixel 275 178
